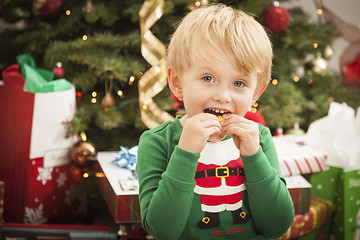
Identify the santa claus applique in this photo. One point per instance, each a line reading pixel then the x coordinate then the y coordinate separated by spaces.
pixel 220 183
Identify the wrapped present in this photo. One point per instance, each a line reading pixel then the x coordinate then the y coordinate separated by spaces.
pixel 300 192
pixel 119 187
pixel 297 157
pixel 316 234
pixel 338 135
pixel 318 215
pixel 34 147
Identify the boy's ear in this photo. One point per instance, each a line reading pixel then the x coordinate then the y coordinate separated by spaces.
pixel 258 92
pixel 175 83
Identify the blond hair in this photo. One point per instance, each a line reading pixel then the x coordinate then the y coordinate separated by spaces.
pixel 221 29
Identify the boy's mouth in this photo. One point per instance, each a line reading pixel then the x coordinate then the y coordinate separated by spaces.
pixel 215 112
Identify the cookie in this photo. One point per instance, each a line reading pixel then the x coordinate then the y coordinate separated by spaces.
pixel 220 118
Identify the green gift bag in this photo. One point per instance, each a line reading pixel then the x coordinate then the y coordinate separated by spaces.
pixel 347 212
pixel 326 184
pixel 343 189
pixel 337 134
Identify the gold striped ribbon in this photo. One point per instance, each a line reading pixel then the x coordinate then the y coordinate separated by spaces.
pixel 154 79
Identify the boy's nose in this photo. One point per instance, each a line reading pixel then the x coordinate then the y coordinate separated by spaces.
pixel 222 95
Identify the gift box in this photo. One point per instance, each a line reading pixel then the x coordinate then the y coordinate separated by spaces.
pixel 34 149
pixel 338 135
pixel 300 192
pixel 119 188
pixel 318 215
pixel 316 234
pixel 297 157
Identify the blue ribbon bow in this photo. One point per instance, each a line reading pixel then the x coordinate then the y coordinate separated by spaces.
pixel 126 158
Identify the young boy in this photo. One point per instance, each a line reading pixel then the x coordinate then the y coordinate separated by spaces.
pixel 212 174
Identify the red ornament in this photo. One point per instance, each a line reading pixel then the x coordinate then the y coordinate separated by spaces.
pixel 47 10
pixel 350 65
pixel 353 68
pixel 59 71
pixel 276 18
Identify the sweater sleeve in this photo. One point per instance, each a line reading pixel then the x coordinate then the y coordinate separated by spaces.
pixel 268 198
pixel 166 186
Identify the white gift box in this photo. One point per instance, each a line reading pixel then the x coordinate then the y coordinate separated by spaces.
pixel 296 157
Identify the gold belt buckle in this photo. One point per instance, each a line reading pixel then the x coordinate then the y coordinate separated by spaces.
pixel 224 170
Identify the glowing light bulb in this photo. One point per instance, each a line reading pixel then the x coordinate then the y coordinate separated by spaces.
pixel 99 174
pixel 83 136
pixel 131 80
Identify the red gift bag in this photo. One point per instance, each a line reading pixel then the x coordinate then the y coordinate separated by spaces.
pixel 34 159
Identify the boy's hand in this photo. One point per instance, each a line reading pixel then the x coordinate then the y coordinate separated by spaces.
pixel 197 130
pixel 244 132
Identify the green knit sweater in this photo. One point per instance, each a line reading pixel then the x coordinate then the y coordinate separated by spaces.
pixel 171 209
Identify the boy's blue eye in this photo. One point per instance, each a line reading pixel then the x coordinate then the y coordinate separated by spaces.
pixel 238 83
pixel 207 78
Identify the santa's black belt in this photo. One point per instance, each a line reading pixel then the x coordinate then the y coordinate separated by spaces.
pixel 220 172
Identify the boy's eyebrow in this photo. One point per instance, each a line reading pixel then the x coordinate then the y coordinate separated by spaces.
pixel 239 75
pixel 239 72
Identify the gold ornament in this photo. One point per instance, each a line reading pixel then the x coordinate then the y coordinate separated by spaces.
pixel 197 4
pixel 108 101
pixel 88 7
pixel 318 65
pixel 154 79
pixel 328 52
pixel 83 154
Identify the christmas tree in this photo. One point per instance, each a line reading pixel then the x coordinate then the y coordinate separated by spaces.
pixel 98 44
